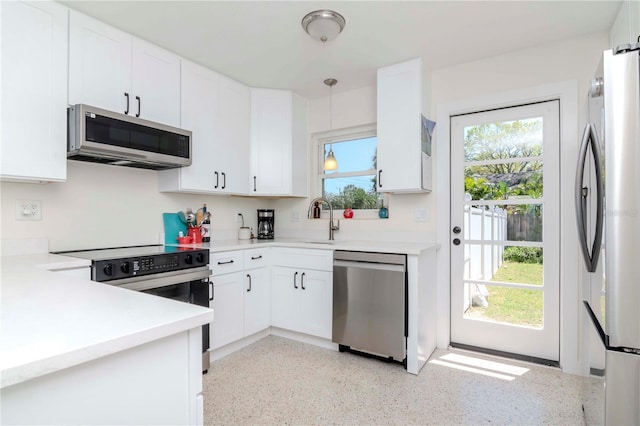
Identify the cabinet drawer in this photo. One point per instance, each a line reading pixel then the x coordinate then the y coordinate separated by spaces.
pixel 256 258
pixel 226 262
pixel 321 260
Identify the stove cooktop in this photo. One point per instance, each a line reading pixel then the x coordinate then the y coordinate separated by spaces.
pixel 126 252
pixel 125 262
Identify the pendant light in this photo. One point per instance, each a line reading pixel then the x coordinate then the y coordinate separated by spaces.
pixel 330 163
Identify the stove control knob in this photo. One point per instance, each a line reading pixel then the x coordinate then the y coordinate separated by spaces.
pixel 199 258
pixel 188 259
pixel 108 269
pixel 124 267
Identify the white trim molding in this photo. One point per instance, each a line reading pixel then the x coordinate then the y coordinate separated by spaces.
pixel 570 310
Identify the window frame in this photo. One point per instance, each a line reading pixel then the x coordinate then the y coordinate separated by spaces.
pixel 336 136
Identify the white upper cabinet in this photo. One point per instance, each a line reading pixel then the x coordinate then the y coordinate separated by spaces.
pixel 233 135
pixel 279 143
pixel 217 111
pixel 402 166
pixel 113 70
pixel 34 84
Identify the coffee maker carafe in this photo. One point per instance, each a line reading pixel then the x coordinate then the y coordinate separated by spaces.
pixel 266 220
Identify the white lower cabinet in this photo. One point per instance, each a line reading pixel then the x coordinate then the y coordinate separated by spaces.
pixel 301 300
pixel 257 300
pixel 241 295
pixel 228 308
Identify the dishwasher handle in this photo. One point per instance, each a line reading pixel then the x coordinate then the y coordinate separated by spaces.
pixel 367 265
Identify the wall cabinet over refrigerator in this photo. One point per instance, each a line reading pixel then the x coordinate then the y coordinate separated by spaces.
pixel 279 143
pixel 217 110
pixel 113 70
pixel 403 158
pixel 34 87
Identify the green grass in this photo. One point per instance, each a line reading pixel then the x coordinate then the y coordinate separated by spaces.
pixel 513 305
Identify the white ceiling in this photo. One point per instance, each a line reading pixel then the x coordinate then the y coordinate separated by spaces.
pixel 262 44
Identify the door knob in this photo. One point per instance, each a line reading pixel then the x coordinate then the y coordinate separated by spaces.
pixel 456 241
pixel 456 229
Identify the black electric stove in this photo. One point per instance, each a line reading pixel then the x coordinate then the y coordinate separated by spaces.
pixel 117 263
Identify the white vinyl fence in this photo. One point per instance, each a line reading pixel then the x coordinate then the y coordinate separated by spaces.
pixel 486 226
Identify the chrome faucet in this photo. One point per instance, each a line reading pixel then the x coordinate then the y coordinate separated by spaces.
pixel 332 227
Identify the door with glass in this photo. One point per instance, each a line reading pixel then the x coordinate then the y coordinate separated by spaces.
pixel 505 219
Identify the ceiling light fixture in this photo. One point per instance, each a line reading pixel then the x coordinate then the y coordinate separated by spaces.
pixel 323 25
pixel 330 163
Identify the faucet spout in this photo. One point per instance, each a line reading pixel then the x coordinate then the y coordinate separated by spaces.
pixel 332 227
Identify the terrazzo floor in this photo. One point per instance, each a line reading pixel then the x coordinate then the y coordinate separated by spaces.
pixel 280 381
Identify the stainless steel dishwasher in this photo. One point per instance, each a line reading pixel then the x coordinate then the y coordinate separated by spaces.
pixel 369 303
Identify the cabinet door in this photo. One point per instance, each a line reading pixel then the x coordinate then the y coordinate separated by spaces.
pixel 315 303
pixel 399 101
pixel 285 289
pixel 34 87
pixel 257 300
pixel 228 309
pixel 199 94
pixel 99 64
pixel 271 123
pixel 233 135
pixel 155 80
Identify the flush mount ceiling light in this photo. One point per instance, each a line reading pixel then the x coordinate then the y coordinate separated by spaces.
pixel 323 25
pixel 330 163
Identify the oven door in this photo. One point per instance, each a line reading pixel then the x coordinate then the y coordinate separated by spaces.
pixel 190 286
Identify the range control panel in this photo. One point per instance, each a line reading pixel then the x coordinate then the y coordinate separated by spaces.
pixel 114 269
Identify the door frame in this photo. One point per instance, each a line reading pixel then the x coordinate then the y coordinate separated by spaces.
pixel 570 309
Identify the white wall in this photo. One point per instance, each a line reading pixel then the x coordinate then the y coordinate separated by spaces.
pixel 626 28
pixel 107 206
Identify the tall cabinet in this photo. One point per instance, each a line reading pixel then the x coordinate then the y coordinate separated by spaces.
pixel 279 143
pixel 403 166
pixel 113 70
pixel 34 86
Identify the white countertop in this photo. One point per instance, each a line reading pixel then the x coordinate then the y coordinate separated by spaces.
pixel 412 248
pixel 51 321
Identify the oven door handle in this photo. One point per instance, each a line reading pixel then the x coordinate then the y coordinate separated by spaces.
pixel 164 279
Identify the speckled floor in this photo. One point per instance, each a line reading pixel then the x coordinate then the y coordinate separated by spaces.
pixel 279 381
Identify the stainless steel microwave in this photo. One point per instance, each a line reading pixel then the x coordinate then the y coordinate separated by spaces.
pixel 107 137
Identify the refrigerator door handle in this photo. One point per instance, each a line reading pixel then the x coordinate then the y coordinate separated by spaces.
pixel 589 139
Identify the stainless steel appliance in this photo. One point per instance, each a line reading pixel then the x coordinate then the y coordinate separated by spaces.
pixel 172 272
pixel 369 303
pixel 266 222
pixel 107 137
pixel 614 196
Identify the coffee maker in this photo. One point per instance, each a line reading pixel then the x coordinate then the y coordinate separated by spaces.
pixel 266 220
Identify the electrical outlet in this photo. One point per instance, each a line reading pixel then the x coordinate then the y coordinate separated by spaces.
pixel 28 210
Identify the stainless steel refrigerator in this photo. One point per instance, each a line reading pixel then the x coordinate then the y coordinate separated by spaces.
pixel 612 199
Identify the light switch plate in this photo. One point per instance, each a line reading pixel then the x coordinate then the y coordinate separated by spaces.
pixel 295 216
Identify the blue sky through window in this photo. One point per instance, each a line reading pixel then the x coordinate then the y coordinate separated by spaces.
pixel 353 156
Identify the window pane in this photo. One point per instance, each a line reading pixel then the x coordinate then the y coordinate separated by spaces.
pixel 501 181
pixel 509 139
pixel 514 306
pixel 356 192
pixel 354 155
pixel 509 222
